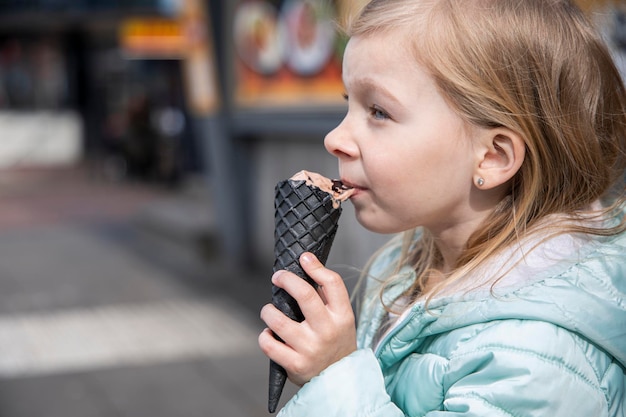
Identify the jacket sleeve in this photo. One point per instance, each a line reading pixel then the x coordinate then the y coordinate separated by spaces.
pixel 353 386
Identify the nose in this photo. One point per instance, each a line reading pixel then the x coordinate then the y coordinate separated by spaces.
pixel 339 142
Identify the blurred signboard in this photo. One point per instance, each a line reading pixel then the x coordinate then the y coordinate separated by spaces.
pixel 288 52
pixel 153 37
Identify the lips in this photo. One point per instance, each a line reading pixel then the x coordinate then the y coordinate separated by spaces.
pixel 351 184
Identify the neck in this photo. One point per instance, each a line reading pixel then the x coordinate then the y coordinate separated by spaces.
pixel 451 243
pixel 451 238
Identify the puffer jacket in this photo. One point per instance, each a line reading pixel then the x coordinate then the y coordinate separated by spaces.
pixel 548 340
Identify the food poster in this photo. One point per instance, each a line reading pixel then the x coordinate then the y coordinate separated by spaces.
pixel 288 53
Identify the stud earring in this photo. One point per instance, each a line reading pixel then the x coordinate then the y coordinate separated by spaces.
pixel 480 182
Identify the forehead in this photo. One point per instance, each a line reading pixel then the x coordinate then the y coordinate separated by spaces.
pixel 383 57
pixel 378 50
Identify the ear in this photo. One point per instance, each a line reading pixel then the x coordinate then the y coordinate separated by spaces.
pixel 500 155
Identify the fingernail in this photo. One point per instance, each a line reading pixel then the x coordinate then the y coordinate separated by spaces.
pixel 275 276
pixel 306 258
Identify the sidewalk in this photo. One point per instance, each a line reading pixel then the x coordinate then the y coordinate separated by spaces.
pixel 110 306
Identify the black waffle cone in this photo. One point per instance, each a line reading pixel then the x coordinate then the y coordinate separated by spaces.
pixel 305 221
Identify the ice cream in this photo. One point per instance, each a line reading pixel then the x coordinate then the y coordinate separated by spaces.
pixel 338 191
pixel 307 209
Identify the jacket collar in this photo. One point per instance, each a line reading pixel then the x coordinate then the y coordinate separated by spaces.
pixel 572 282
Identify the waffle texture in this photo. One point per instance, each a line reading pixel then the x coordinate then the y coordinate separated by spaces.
pixel 305 221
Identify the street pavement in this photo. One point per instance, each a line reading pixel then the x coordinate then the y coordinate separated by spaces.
pixel 114 302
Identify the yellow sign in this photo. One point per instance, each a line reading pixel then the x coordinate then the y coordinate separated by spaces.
pixel 154 38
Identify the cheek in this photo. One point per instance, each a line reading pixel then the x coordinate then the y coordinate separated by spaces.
pixel 392 205
pixel 394 175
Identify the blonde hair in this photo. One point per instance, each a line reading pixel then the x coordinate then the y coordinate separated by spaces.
pixel 539 68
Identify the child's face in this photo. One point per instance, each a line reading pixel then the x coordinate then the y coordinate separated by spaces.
pixel 401 145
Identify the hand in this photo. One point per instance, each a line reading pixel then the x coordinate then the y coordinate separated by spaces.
pixel 326 335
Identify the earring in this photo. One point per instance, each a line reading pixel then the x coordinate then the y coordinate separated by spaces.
pixel 480 182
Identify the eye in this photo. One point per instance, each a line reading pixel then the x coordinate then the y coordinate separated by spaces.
pixel 378 113
pixel 345 96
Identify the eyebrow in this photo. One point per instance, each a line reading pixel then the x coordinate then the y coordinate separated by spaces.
pixel 369 84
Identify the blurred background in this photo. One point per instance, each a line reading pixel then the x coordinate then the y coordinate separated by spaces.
pixel 140 142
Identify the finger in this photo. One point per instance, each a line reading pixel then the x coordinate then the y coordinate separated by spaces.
pixel 287 330
pixel 275 349
pixel 281 325
pixel 335 292
pixel 307 297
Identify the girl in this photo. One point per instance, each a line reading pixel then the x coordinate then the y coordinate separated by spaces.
pixel 492 133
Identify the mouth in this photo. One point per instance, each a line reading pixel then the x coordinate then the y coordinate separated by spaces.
pixel 350 184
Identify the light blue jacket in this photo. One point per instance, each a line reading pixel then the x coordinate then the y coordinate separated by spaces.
pixel 549 340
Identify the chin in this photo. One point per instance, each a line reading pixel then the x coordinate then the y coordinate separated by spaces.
pixel 377 225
